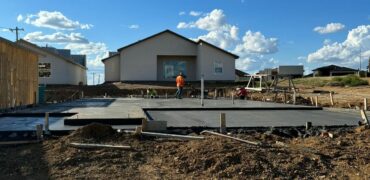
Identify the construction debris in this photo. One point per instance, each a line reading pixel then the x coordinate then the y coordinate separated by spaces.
pixel 92 146
pixel 234 138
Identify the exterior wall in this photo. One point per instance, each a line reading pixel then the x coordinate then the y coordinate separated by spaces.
pixel 139 62
pixel 112 69
pixel 291 70
pixel 190 67
pixel 62 71
pixel 207 56
pixel 18 76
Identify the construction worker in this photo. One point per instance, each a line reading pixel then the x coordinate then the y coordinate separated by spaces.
pixel 241 92
pixel 180 82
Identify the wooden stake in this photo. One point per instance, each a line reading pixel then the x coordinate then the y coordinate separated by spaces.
pixel 331 99
pixel 317 101
pixel 308 125
pixel 294 97
pixel 365 104
pixel 312 103
pixel 46 123
pixel 222 123
pixel 364 117
pixel 138 130
pixel 284 96
pixel 144 124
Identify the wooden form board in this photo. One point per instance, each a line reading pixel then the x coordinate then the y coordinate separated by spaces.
pixel 18 75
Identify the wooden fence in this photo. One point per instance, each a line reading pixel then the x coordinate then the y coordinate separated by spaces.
pixel 18 75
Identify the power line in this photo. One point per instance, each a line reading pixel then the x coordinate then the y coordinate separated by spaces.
pixel 16 29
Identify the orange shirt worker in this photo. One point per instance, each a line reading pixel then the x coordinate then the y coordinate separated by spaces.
pixel 180 83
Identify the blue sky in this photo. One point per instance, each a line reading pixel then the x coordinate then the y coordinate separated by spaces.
pixel 264 33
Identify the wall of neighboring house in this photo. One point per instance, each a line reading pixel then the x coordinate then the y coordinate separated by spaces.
pixel 139 62
pixel 18 75
pixel 62 71
pixel 209 58
pixel 112 69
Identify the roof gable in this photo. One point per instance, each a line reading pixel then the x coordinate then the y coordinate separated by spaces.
pixel 180 36
pixel 156 35
pixel 334 67
pixel 51 52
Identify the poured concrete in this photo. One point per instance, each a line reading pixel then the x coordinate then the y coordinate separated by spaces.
pixel 133 108
pixel 254 118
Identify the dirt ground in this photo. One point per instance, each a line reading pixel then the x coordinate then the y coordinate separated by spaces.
pixel 346 156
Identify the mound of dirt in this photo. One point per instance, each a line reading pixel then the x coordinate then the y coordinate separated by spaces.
pixel 94 132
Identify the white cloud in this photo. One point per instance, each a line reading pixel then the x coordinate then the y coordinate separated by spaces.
pixel 19 18
pixel 219 33
pixel 346 52
pixel 302 58
pixel 327 41
pixel 329 28
pixel 57 37
pixel 134 26
pixel 95 52
pixel 181 13
pixel 251 48
pixel 54 20
pixel 195 13
pixel 257 43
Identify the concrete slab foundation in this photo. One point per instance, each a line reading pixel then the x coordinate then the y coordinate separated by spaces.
pixel 240 114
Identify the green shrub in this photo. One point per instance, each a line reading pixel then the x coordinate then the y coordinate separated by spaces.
pixel 350 80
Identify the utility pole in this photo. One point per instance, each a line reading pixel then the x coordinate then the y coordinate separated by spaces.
pixel 98 78
pixel 16 31
pixel 93 78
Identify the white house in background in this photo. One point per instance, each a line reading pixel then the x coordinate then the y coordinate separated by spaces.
pixel 162 56
pixel 59 66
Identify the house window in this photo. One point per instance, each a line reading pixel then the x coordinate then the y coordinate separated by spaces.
pixel 218 67
pixel 173 68
pixel 44 70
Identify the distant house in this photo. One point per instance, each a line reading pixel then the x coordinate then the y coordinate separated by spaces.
pixel 162 56
pixel 59 66
pixel 241 76
pixel 294 71
pixel 333 70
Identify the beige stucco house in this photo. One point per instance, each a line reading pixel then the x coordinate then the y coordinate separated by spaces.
pixel 58 67
pixel 162 56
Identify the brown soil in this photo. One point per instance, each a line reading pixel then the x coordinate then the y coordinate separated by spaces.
pixel 347 155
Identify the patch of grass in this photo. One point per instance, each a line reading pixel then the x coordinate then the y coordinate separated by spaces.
pixel 350 80
pixel 312 81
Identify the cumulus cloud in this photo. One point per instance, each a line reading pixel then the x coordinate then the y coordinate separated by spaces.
pixel 329 28
pixel 134 26
pixel 251 49
pixel 95 52
pixel 346 52
pixel 181 13
pixel 19 18
pixel 53 20
pixel 195 13
pixel 257 43
pixel 57 37
pixel 220 33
